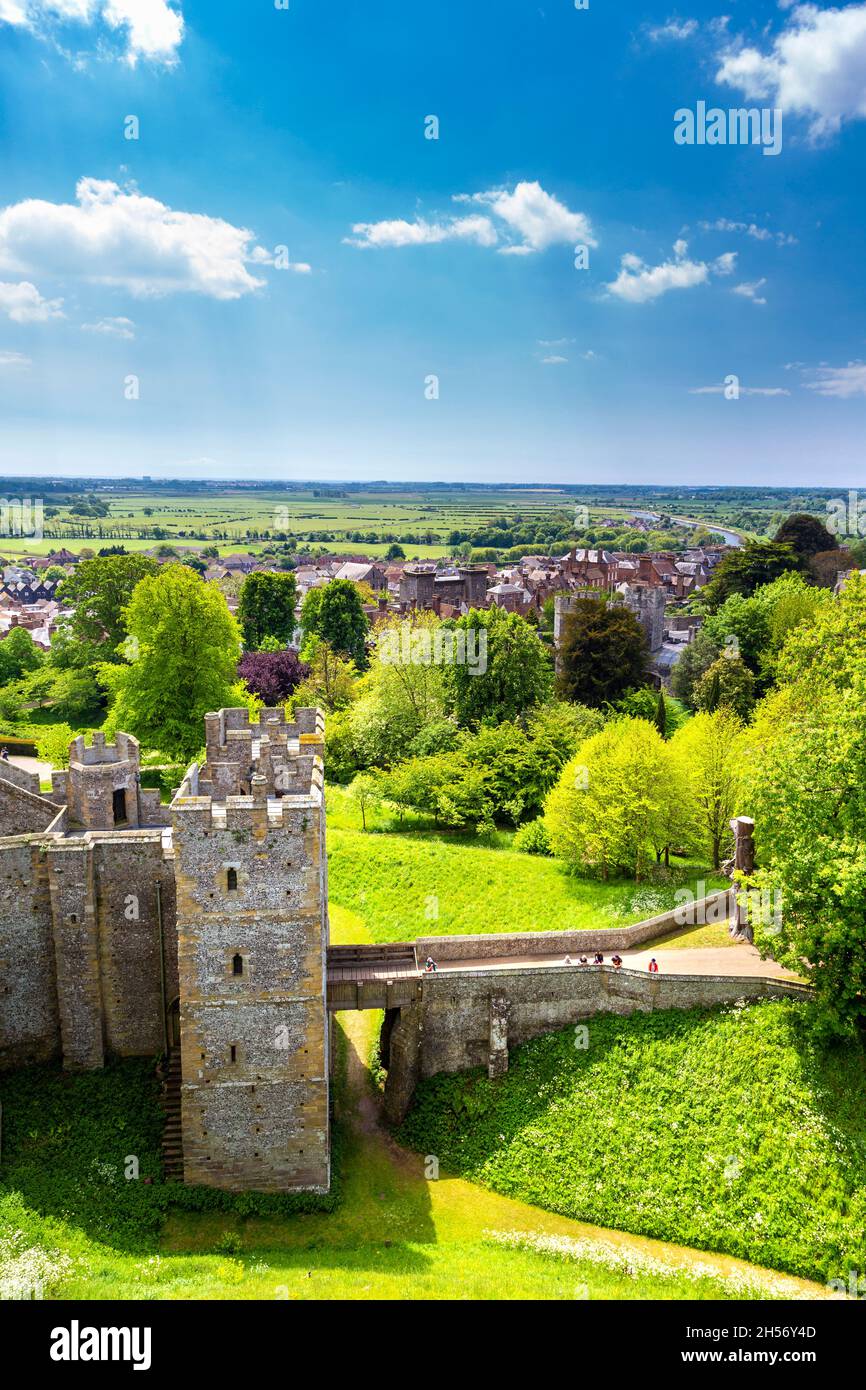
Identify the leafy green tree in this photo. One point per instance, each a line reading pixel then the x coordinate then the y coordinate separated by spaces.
pixel 805 534
pixel 556 730
pixel 696 659
pixel 402 693
pixel 333 680
pixel 741 627
pixel 507 669
pixel 99 590
pixel 618 801
pixel 52 745
pixel 661 719
pixel 728 682
pixel 746 569
pixel 336 614
pixel 267 608
pixel 18 655
pixel 185 646
pixel 602 653
pixel 807 793
pixel 395 552
pixel 665 713
pixel 710 747
pixel 366 792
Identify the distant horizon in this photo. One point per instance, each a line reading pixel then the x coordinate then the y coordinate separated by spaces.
pixel 416 483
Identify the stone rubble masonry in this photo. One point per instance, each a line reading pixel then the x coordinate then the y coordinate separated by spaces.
pixel 92 961
pixel 252 952
pixel 717 907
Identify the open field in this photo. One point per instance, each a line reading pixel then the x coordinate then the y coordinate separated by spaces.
pixel 364 518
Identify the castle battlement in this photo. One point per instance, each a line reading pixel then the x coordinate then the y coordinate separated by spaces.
pixel 124 749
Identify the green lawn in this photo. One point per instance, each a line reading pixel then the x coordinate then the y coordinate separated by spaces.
pixel 730 1130
pixel 423 883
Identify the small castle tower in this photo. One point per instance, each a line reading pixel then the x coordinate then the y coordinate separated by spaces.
pixel 252 927
pixel 102 785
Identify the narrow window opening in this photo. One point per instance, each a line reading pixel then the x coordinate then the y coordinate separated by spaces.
pixel 234 1053
pixel 119 806
pixel 232 880
pixel 237 965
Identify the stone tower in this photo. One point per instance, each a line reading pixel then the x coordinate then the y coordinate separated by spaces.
pixel 102 785
pixel 250 870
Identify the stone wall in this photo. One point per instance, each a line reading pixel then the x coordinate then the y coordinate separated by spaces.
pixel 29 1019
pixel 470 1018
pixel 136 932
pixel 489 946
pixel 23 811
pixel 81 957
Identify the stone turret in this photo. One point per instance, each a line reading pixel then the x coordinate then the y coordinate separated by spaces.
pixel 102 787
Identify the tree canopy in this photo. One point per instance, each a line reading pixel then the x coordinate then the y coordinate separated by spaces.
pixel 184 647
pixel 99 590
pixel 335 613
pixel 807 794
pixel 602 653
pixel 506 669
pixel 267 608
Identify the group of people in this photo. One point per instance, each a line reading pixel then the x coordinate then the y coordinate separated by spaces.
pixel 615 960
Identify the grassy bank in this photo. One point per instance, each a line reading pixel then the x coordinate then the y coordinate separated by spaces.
pixel 424 884
pixel 731 1130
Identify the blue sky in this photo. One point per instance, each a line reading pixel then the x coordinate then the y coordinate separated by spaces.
pixel 411 258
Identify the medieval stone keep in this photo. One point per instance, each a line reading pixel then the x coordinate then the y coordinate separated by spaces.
pixel 133 928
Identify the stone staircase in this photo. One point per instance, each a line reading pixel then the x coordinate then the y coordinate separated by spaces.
pixel 172 1137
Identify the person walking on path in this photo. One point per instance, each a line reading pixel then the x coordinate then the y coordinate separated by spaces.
pixel 653 966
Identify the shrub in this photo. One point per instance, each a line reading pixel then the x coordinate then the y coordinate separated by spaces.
pixel 533 838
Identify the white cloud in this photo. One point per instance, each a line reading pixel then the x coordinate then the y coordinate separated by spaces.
pixel 842 382
pixel 539 219
pixel 750 291
pixel 637 283
pixel 554 342
pixel 422 233
pixel 554 361
pixel 119 237
pixel 152 29
pixel 24 304
pixel 14 359
pixel 724 224
pixel 111 328
pixel 725 264
pixel 815 67
pixel 743 391
pixel 12 12
pixel 675 29
pixel 536 216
